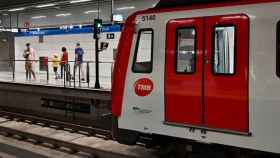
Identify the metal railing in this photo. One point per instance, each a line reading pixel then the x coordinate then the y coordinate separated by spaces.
pixel 74 76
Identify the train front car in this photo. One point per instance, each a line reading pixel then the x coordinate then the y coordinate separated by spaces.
pixel 202 72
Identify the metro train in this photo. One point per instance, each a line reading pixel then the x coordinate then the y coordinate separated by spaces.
pixel 203 71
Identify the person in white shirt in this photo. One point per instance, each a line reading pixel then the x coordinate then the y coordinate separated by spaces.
pixel 29 55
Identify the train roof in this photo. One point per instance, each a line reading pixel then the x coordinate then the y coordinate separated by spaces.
pixel 178 5
pixel 175 3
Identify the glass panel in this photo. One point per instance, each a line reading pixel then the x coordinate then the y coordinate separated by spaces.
pixel 186 41
pixel 278 50
pixel 224 50
pixel 144 49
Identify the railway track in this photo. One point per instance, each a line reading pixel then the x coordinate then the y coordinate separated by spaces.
pixel 46 122
pixel 75 138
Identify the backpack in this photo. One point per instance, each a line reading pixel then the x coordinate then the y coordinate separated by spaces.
pixel 80 53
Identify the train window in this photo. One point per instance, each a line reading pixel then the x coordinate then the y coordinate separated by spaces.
pixel 186 50
pixel 143 59
pixel 278 50
pixel 224 50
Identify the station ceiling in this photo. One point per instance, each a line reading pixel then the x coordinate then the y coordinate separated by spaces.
pixel 14 3
pixel 10 4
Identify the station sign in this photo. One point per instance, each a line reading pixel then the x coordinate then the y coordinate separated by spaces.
pixel 110 36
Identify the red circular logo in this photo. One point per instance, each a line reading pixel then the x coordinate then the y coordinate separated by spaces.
pixel 143 87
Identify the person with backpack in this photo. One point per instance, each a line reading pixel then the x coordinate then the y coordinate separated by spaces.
pixel 79 55
pixel 55 64
pixel 63 62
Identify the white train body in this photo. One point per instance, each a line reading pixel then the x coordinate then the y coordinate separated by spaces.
pixel 246 33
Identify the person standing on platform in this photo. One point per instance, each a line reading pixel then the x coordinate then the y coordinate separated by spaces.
pixel 29 55
pixel 55 64
pixel 79 55
pixel 63 62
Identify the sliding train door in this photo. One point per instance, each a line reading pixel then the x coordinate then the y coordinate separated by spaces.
pixel 206 76
pixel 226 73
pixel 183 79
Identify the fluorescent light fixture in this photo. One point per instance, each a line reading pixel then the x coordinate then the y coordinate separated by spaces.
pixel 9 30
pixel 126 8
pixel 16 9
pixel 118 18
pixel 38 17
pixel 79 1
pixel 63 15
pixel 45 5
pixel 15 30
pixel 91 11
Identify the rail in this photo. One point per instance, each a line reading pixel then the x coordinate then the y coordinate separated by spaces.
pixel 95 142
pixel 70 75
pixel 46 122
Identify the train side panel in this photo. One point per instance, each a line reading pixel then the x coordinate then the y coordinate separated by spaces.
pixel 144 106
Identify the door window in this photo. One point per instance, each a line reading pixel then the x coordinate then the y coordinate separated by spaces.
pixel 186 54
pixel 224 50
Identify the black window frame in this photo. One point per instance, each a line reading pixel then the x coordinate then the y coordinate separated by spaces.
pixel 195 50
pixel 136 51
pixel 278 49
pixel 235 50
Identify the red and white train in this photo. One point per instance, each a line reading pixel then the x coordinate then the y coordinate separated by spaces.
pixel 204 72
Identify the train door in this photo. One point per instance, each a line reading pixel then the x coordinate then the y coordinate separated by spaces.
pixel 226 73
pixel 206 80
pixel 183 87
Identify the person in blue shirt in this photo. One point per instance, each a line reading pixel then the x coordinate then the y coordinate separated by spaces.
pixel 79 58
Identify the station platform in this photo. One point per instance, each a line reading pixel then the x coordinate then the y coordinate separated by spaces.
pixel 19 77
pixel 82 106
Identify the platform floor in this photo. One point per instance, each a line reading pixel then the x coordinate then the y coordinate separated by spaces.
pixel 105 82
pixel 13 148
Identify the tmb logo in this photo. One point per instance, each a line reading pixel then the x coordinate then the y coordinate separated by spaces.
pixel 143 87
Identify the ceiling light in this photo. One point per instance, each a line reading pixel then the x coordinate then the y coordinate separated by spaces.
pixel 79 1
pixel 91 11
pixel 38 17
pixel 118 18
pixel 45 5
pixel 16 9
pixel 126 8
pixel 63 15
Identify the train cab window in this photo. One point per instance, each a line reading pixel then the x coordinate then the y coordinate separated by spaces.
pixel 224 50
pixel 186 50
pixel 143 59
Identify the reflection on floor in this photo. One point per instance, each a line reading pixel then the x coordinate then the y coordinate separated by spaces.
pixel 19 77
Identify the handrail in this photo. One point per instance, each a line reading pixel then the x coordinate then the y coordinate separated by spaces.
pixel 49 60
pixel 69 79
